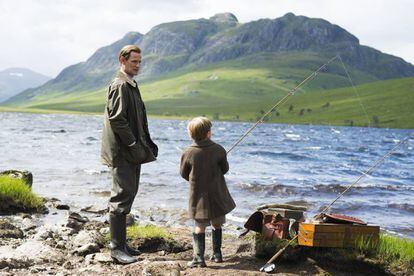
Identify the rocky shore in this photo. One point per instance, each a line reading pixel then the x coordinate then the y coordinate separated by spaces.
pixel 58 239
pixel 77 245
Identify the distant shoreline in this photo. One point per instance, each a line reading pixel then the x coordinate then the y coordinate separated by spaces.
pixel 172 117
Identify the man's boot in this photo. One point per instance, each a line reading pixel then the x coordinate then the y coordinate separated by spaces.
pixel 132 251
pixel 198 248
pixel 216 238
pixel 117 227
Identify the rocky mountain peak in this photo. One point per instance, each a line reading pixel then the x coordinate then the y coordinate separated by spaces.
pixel 193 43
pixel 227 17
pixel 289 15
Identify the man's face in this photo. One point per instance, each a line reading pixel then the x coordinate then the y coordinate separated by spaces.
pixel 131 66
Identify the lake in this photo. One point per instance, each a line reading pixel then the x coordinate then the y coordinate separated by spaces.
pixel 301 164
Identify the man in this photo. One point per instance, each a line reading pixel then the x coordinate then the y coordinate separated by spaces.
pixel 126 144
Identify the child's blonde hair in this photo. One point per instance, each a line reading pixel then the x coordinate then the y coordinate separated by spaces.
pixel 198 128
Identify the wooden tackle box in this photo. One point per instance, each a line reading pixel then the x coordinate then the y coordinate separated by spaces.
pixel 335 235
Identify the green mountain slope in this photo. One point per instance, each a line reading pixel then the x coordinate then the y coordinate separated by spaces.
pixel 240 90
pixel 289 41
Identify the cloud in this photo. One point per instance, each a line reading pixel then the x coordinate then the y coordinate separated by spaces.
pixel 47 36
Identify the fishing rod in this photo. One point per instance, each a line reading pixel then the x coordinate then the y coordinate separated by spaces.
pixel 270 266
pixel 283 100
pixel 364 174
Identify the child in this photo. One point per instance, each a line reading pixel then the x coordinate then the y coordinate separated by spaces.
pixel 204 164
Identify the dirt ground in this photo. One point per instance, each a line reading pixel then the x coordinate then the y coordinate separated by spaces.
pixel 239 259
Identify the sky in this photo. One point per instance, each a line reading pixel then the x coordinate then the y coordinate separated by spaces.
pixel 48 35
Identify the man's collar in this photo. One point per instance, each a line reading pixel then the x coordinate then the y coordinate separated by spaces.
pixel 124 76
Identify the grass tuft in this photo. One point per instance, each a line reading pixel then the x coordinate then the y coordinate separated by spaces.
pixel 390 249
pixel 147 232
pixel 16 193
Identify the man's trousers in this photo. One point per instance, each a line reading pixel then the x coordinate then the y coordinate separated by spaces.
pixel 125 183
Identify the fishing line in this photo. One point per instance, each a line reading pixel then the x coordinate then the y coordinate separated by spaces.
pixel 294 90
pixel 283 100
pixel 355 90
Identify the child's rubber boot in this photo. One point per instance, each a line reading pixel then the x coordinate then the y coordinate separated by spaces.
pixel 199 248
pixel 216 238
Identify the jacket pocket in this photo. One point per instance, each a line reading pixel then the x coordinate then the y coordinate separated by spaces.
pixel 136 154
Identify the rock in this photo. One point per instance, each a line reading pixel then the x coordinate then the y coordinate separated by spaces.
pixel 68 265
pixel 95 210
pixel 130 220
pixel 44 210
pixel 61 244
pixel 29 228
pixel 29 253
pixel 95 270
pixel 104 231
pixel 94 225
pixel 65 232
pixel 37 269
pixel 74 224
pixel 26 176
pixel 77 217
pixel 103 258
pixel 86 249
pixel 76 221
pixel 8 259
pixel 89 259
pixel 43 234
pixel 24 215
pixel 8 230
pixel 62 206
pixel 87 237
pixel 28 224
pixel 51 199
pixel 162 268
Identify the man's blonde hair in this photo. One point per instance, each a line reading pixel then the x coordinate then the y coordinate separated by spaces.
pixel 126 51
pixel 198 128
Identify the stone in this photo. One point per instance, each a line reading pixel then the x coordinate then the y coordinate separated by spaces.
pixel 95 210
pixel 162 268
pixel 77 217
pixel 86 249
pixel 8 230
pixel 89 259
pixel 86 237
pixel 28 224
pixel 74 224
pixel 24 215
pixel 64 232
pixel 29 253
pixel 104 231
pixel 93 270
pixel 103 258
pixel 130 220
pixel 61 245
pixel 7 259
pixel 62 206
pixel 93 225
pixel 43 233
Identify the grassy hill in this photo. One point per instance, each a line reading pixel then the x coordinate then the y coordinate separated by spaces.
pixel 240 90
